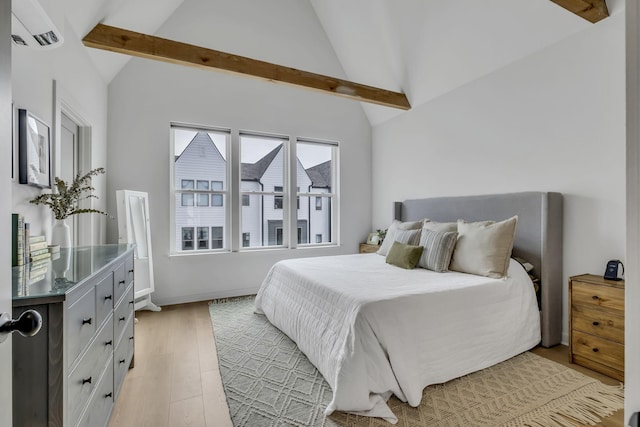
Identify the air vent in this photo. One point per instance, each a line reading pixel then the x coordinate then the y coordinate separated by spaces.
pixel 18 40
pixel 31 26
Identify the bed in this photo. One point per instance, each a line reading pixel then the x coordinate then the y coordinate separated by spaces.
pixel 374 330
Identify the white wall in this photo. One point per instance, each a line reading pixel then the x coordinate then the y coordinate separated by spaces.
pixel 146 96
pixel 82 89
pixel 553 121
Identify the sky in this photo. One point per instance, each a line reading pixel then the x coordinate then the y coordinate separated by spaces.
pixel 254 148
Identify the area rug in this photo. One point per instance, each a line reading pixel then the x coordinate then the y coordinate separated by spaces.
pixel 269 382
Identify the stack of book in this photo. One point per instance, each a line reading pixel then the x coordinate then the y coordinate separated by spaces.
pixel 17 240
pixel 39 257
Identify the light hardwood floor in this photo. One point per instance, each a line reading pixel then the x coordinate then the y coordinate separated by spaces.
pixel 176 380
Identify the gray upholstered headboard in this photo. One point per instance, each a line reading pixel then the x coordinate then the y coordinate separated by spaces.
pixel 538 237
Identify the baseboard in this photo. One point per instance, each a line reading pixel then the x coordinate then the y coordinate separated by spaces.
pixel 183 299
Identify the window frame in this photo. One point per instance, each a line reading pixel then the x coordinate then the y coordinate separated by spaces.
pixel 234 198
pixel 176 193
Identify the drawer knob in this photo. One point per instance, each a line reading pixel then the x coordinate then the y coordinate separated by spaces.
pixel 108 395
pixel 122 360
pixel 86 380
pixel 131 271
pixel 595 323
pixel 86 321
pixel 130 338
pixel 595 349
pixel 110 342
pixel 108 297
pixel 131 302
pixel 121 318
pixel 121 282
pixel 595 297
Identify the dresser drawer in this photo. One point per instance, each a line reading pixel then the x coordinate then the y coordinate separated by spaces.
pixel 119 282
pixel 595 295
pixel 122 313
pixel 84 378
pixel 598 322
pixel 599 350
pixel 123 354
pixel 80 324
pixel 128 269
pixel 104 298
pixel 101 404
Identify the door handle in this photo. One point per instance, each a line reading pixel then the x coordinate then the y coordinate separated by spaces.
pixel 28 324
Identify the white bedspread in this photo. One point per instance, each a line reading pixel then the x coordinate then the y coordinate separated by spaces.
pixel 373 329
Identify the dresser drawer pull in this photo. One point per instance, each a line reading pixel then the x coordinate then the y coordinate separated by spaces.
pixel 595 297
pixel 108 297
pixel 110 342
pixel 595 349
pixel 121 319
pixel 86 380
pixel 86 321
pixel 131 302
pixel 595 323
pixel 108 395
pixel 122 360
pixel 130 338
pixel 121 282
pixel 131 271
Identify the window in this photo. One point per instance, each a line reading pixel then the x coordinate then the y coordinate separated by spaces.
pixel 187 238
pixel 262 172
pixel 277 200
pixel 203 237
pixel 268 186
pixel 316 186
pixel 216 199
pixel 203 199
pixel 217 237
pixel 199 174
pixel 187 199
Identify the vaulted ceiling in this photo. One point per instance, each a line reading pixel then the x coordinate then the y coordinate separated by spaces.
pixel 424 48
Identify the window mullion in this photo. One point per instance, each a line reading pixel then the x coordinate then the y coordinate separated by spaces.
pixel 292 191
pixel 234 208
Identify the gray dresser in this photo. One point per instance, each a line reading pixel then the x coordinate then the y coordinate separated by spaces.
pixel 70 373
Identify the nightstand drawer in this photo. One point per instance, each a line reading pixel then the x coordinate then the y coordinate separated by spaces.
pixel 365 248
pixel 600 296
pixel 597 322
pixel 597 349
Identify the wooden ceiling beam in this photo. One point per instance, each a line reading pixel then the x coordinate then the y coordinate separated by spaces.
pixel 591 10
pixel 151 47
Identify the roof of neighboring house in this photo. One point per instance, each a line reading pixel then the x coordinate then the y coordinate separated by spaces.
pixel 254 171
pixel 320 175
pixel 200 137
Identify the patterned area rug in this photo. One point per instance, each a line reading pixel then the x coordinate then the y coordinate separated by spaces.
pixel 269 382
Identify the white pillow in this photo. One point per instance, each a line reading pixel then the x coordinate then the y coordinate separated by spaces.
pixel 400 227
pixel 484 248
pixel 442 227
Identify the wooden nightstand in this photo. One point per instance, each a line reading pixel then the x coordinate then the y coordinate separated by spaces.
pixel 366 248
pixel 596 324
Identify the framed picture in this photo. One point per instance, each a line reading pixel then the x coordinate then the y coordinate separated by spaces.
pixel 373 239
pixel 34 157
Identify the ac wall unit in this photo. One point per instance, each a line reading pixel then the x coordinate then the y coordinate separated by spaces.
pixel 31 26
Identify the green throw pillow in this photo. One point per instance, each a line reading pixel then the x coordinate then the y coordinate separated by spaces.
pixel 405 256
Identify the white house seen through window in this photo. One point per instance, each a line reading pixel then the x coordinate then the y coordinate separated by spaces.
pixel 201 171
